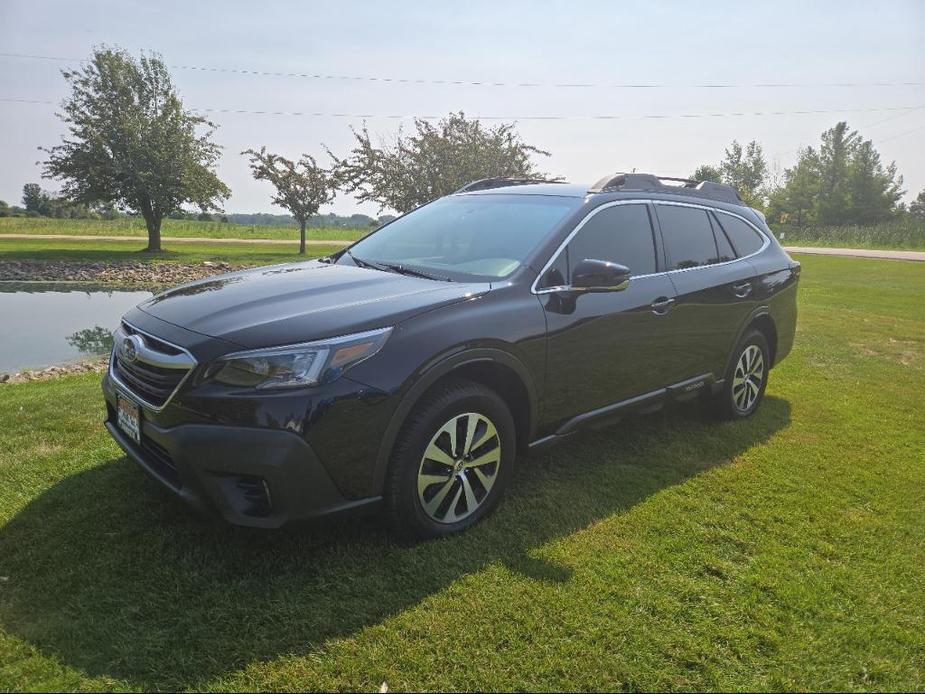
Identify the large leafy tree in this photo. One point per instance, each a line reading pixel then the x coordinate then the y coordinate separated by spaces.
pixel 841 182
pixel 131 143
pixel 436 160
pixel 301 187
pixel 745 170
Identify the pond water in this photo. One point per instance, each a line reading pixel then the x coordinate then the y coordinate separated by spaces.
pixel 48 324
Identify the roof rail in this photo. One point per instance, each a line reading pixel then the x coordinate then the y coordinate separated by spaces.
pixel 649 182
pixel 489 183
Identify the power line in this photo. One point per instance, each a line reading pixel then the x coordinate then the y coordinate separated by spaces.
pixel 491 83
pixel 903 134
pixel 648 116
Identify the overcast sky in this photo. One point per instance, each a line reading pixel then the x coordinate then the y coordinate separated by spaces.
pixel 608 43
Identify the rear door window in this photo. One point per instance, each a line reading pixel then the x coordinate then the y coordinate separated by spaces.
pixel 744 238
pixel 688 237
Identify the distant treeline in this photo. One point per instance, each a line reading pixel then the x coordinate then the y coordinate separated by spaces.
pixel 42 203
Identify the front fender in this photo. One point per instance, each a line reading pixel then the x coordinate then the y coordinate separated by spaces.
pixel 430 374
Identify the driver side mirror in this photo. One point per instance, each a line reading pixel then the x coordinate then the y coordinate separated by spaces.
pixel 591 275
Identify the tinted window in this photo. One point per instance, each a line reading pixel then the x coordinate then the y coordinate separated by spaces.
pixel 722 243
pixel 745 239
pixel 468 236
pixel 688 236
pixel 621 234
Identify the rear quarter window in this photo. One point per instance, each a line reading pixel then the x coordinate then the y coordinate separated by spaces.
pixel 744 238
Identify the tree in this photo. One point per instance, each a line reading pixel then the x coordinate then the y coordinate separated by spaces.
pixel 96 340
pixel 436 160
pixel 745 170
pixel 131 142
pixel 833 203
pixel 794 200
pixel 301 187
pixel 843 182
pixel 4 209
pixel 874 190
pixel 707 172
pixel 34 199
pixel 916 209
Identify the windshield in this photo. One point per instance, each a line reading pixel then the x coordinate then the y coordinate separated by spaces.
pixel 466 237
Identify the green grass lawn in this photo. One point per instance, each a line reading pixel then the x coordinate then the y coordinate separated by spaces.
pixel 130 251
pixel 667 552
pixel 170 227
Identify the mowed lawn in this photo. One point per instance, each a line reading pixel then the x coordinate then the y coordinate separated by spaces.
pixel 666 552
pixel 130 252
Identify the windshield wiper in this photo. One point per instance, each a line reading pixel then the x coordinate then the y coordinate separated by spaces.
pixel 414 272
pixel 396 267
pixel 361 262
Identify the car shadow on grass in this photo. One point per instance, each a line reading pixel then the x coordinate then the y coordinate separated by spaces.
pixel 111 575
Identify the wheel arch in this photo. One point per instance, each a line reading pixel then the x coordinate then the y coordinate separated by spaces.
pixel 496 369
pixel 762 320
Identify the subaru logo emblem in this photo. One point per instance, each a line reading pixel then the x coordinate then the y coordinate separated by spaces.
pixel 128 351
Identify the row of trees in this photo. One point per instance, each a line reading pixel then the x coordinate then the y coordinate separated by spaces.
pixel 841 181
pixel 132 145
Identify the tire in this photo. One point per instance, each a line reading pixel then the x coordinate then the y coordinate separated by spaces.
pixel 432 490
pixel 746 378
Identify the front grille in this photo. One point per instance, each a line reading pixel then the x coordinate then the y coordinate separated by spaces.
pixel 158 345
pixel 148 367
pixel 153 384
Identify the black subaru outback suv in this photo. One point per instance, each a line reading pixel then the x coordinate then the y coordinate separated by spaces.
pixel 410 369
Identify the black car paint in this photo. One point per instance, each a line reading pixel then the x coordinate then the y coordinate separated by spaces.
pixel 575 358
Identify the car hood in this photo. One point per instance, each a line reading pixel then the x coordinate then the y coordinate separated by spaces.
pixel 286 304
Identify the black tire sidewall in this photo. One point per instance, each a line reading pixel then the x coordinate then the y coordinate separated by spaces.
pixel 423 422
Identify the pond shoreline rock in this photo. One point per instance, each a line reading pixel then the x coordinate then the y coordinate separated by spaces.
pixel 135 274
pixel 97 365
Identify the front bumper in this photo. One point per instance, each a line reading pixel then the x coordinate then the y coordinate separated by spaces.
pixel 251 476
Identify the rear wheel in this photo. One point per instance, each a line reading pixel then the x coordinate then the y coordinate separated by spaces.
pixel 452 461
pixel 746 379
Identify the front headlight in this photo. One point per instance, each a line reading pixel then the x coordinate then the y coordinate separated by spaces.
pixel 306 364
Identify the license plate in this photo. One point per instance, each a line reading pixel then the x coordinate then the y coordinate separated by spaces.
pixel 129 418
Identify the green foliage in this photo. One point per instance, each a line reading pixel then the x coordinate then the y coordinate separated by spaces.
pixel 707 172
pixel 843 182
pixel 745 170
pixel 301 187
pixel 131 143
pixel 34 199
pixel 4 209
pixel 436 160
pixel 917 208
pixel 905 233
pixel 96 340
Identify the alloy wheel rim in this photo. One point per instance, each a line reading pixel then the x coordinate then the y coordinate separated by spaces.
pixel 746 382
pixel 459 467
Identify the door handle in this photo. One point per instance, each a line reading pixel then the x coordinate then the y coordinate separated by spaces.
pixel 742 289
pixel 662 305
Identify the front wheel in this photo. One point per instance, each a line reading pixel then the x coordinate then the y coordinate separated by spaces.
pixel 452 461
pixel 746 378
